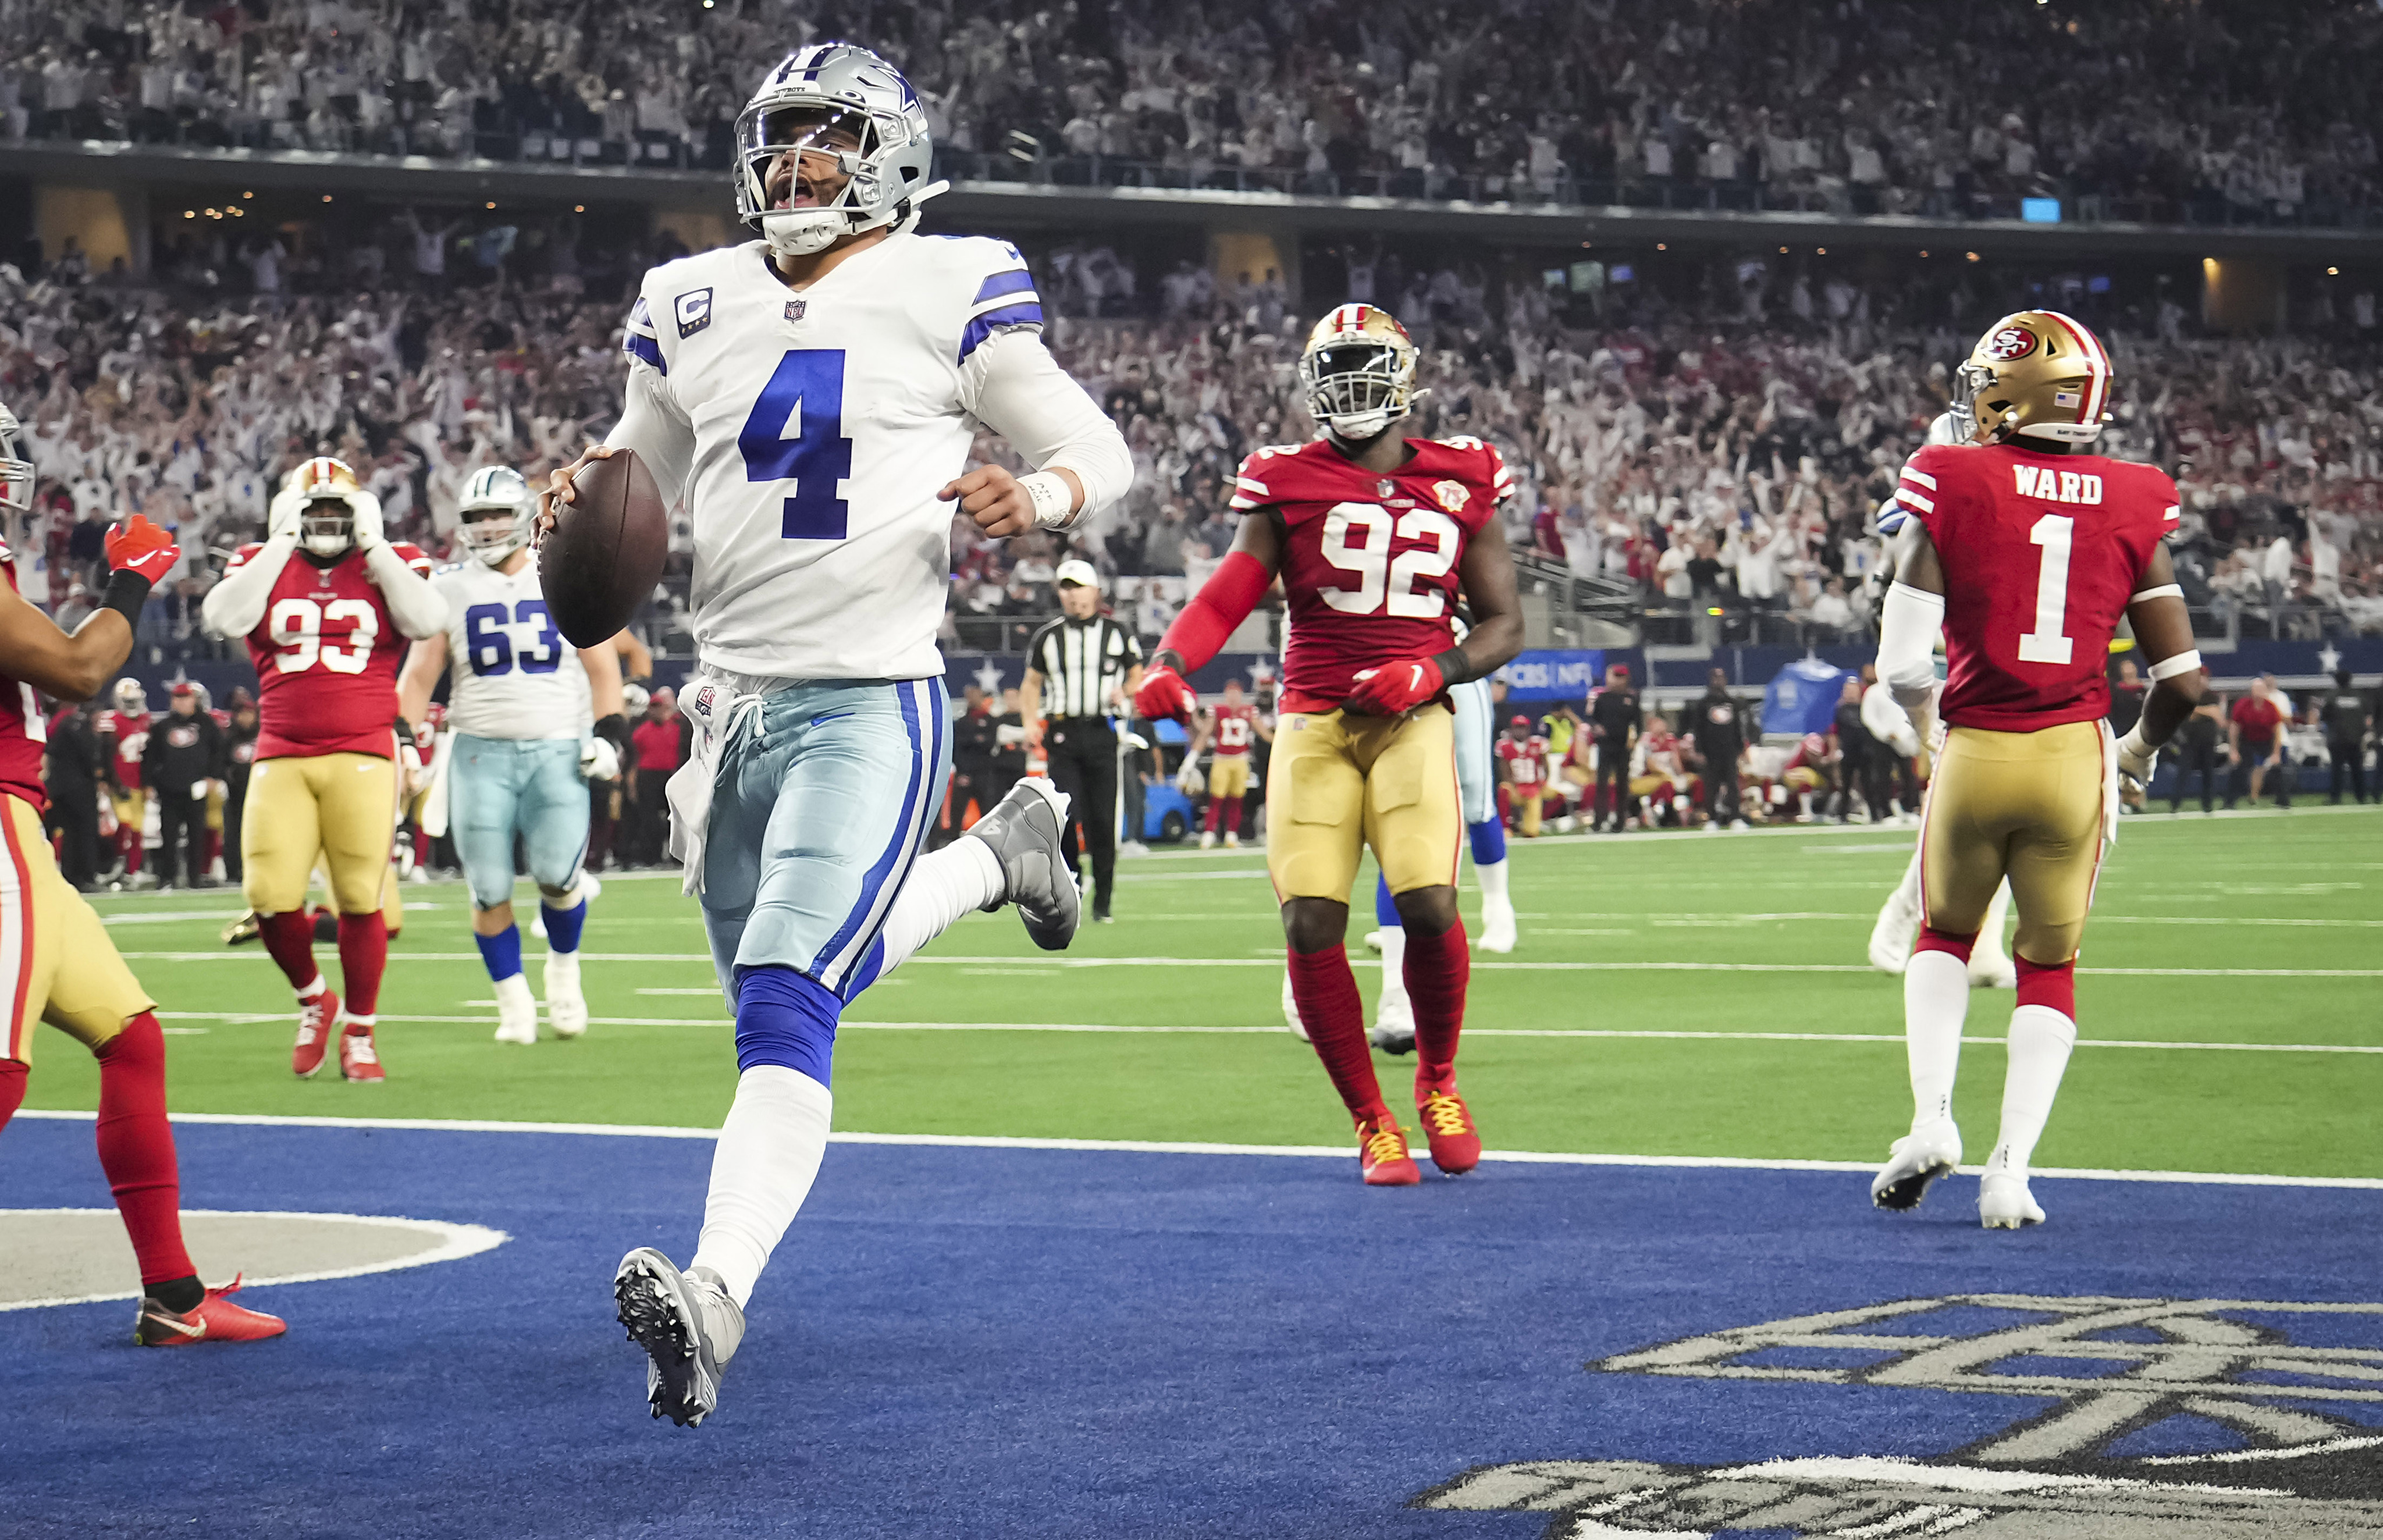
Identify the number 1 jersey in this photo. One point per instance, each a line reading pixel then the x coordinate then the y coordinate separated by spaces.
pixel 514 676
pixel 2041 554
pixel 327 656
pixel 1369 559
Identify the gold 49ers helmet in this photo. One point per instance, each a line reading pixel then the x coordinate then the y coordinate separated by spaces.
pixel 322 495
pixel 1359 370
pixel 2035 373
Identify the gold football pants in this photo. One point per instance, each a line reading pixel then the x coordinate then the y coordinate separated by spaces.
pixel 2023 805
pixel 1339 783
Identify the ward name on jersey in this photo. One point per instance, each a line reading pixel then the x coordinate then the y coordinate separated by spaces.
pixel 818 426
pixel 514 676
pixel 1369 561
pixel 2041 553
pixel 327 656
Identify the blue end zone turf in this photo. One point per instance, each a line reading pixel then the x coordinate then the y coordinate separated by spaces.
pixel 962 1341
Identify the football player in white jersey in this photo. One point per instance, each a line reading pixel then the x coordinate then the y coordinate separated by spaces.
pixel 811 396
pixel 530 724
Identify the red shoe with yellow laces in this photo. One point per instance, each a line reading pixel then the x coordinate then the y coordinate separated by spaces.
pixel 1382 1152
pixel 213 1319
pixel 1447 1124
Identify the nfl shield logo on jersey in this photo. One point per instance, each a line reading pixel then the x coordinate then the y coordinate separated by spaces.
pixel 795 310
pixel 1386 486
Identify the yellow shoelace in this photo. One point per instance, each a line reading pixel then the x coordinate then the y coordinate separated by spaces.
pixel 1444 1114
pixel 1387 1142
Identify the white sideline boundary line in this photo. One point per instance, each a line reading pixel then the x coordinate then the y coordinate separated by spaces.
pixel 460 1240
pixel 1171 1147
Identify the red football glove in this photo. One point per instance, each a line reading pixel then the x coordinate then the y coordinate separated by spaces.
pixel 1394 689
pixel 138 545
pixel 1164 695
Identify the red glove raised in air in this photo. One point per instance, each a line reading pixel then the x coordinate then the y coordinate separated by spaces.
pixel 1394 688
pixel 1164 694
pixel 138 545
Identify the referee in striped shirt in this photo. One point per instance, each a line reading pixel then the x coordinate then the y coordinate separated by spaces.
pixel 1084 667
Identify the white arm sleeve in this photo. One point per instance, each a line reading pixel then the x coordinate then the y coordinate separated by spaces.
pixel 234 605
pixel 1016 387
pixel 418 608
pixel 657 430
pixel 1908 625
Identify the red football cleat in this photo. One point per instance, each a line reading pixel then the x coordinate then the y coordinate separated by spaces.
pixel 1382 1152
pixel 1447 1124
pixel 216 1319
pixel 317 1020
pixel 359 1055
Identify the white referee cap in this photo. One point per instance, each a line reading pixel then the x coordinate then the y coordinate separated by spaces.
pixel 1076 571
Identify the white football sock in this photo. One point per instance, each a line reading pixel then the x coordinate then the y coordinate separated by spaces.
pixel 1492 878
pixel 2040 1040
pixel 1394 1002
pixel 943 885
pixel 769 1154
pixel 1936 1000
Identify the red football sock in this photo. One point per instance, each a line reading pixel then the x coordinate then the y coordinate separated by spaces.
pixel 1233 815
pixel 2049 984
pixel 1436 970
pixel 1932 940
pixel 12 1089
pixel 1335 1017
pixel 1215 811
pixel 289 937
pixel 136 1149
pixel 363 953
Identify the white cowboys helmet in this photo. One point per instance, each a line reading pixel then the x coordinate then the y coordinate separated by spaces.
pixel 494 489
pixel 16 471
pixel 833 104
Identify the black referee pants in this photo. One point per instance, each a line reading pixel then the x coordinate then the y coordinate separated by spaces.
pixel 1082 755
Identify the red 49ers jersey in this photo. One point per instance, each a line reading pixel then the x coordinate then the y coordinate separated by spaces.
pixel 2041 553
pixel 1527 763
pixel 23 728
pixel 1369 561
pixel 1236 726
pixel 327 656
pixel 127 735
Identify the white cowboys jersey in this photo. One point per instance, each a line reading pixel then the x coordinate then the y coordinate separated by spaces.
pixel 514 676
pixel 823 423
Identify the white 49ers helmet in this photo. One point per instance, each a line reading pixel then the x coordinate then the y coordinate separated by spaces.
pixel 2035 373
pixel 1358 370
pixel 323 499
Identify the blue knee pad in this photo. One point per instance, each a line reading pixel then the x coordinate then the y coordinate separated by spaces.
pixel 1385 912
pixel 785 1019
pixel 1488 842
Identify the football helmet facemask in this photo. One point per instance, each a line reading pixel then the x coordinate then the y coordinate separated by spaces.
pixel 325 492
pixel 16 471
pixel 496 511
pixel 2035 373
pixel 129 698
pixel 833 103
pixel 1358 371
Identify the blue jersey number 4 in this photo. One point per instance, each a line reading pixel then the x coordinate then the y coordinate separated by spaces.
pixel 796 433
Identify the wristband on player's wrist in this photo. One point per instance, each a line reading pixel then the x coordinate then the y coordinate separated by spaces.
pixel 1454 666
pixel 1053 499
pixel 1168 658
pixel 126 591
pixel 614 729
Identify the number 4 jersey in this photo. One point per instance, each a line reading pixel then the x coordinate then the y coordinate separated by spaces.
pixel 514 676
pixel 1369 560
pixel 2041 554
pixel 326 654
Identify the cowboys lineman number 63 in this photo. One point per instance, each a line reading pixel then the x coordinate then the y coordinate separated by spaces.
pixel 811 397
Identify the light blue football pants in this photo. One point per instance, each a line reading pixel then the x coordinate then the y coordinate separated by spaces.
pixel 499 786
pixel 821 801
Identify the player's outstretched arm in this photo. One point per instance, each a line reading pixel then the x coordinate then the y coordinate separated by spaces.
pixel 73 668
pixel 2164 632
pixel 1222 603
pixel 236 605
pixel 425 660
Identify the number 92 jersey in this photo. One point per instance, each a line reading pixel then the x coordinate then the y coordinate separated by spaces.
pixel 326 654
pixel 514 676
pixel 2041 554
pixel 1369 561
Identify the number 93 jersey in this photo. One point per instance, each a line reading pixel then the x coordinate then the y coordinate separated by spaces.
pixel 2041 554
pixel 1369 560
pixel 326 654
pixel 822 422
pixel 514 676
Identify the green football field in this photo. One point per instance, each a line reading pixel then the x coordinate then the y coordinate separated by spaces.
pixel 1672 995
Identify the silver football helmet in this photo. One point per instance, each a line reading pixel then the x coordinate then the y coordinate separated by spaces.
pixel 16 471
pixel 817 96
pixel 495 488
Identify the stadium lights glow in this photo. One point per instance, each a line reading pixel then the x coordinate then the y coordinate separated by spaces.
pixel 248 195
pixel 579 208
pixel 492 206
pixel 1783 251
pixel 327 197
pixel 2333 272
pixel 1924 253
pixel 1819 251
pixel 1660 247
pixel 189 213
pixel 1973 257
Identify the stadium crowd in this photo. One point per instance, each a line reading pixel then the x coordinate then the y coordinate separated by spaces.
pixel 1724 454
pixel 2224 110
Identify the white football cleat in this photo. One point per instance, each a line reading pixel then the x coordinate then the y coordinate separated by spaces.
pixel 1291 1010
pixel 1992 970
pixel 566 1008
pixel 1890 939
pixel 516 1011
pixel 1232 840
pixel 1373 941
pixel 1208 839
pixel 688 1326
pixel 1497 924
pixel 1394 1029
pixel 2004 1203
pixel 1916 1160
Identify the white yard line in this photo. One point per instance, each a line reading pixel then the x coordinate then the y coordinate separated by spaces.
pixel 1163 1147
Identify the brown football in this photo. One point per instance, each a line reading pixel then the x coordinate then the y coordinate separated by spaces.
pixel 605 553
